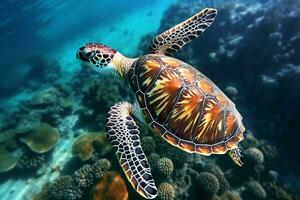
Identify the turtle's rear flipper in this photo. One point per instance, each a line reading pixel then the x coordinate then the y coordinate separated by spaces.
pixel 175 38
pixel 235 155
pixel 123 134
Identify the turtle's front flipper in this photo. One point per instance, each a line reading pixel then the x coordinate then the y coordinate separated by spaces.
pixel 175 38
pixel 235 155
pixel 123 134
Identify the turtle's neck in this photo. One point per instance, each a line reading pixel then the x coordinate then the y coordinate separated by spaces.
pixel 122 64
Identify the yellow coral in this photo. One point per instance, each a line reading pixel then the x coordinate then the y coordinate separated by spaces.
pixel 42 139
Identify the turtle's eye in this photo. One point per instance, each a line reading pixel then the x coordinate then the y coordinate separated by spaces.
pixel 87 53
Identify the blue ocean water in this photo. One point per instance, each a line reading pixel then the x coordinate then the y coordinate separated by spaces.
pixel 53 108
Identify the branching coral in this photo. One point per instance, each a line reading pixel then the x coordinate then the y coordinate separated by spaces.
pixel 30 162
pixel 84 177
pixel 100 167
pixel 65 188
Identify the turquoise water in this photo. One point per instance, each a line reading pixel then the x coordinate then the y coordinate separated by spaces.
pixel 49 100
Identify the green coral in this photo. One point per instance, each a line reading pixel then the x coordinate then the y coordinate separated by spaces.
pixel 208 184
pixel 165 166
pixel 216 170
pixel 254 190
pixel 275 192
pixel 253 156
pixel 148 144
pixel 42 139
pixel 166 191
pixel 229 195
pixel 153 159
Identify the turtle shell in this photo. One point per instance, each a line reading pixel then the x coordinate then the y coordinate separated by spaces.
pixel 182 105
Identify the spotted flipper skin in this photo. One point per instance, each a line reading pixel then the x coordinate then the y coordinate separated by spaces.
pixel 235 155
pixel 175 38
pixel 123 134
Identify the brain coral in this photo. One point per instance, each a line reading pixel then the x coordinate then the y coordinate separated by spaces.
pixel 165 166
pixel 254 156
pixel 166 191
pixel 216 170
pixel 42 139
pixel 208 184
pixel 153 159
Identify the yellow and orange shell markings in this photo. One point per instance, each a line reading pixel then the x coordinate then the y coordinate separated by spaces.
pixel 148 72
pixel 192 112
pixel 163 93
pixel 210 126
pixel 186 113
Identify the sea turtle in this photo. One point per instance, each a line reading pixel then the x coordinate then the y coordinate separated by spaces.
pixel 177 101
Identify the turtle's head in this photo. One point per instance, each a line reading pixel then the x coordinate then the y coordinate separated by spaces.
pixel 96 55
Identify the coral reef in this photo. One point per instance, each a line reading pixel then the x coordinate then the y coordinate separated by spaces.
pixel 254 191
pixel 8 159
pixel 253 156
pixel 42 71
pixel 216 170
pixel 65 188
pixel 78 183
pixel 85 145
pixel 165 166
pixel 153 159
pixel 110 187
pixel 208 184
pixel 166 191
pixel 84 177
pixel 43 139
pixel 277 193
pixel 100 167
pixel 230 196
pixel 31 162
pixel 148 144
